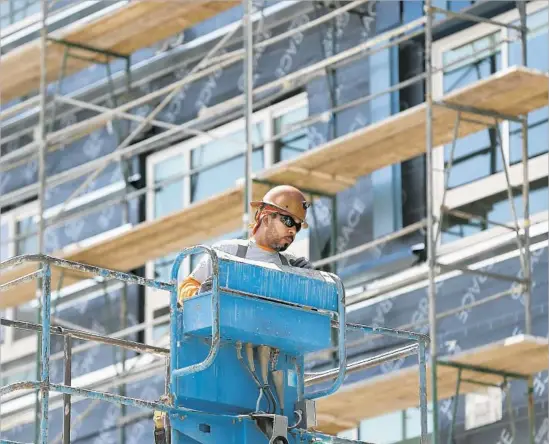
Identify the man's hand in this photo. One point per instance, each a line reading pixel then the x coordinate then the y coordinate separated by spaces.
pixel 187 289
pixel 300 262
pixel 206 285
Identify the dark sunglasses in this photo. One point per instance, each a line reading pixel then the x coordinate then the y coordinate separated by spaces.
pixel 289 221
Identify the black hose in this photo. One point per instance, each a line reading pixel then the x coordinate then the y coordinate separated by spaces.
pixel 268 394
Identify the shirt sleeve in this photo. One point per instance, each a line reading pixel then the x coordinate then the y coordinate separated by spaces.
pixel 203 269
pixel 189 286
pixel 187 289
pixel 299 262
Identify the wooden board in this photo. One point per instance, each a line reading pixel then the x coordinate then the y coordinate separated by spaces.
pixel 136 25
pixel 328 169
pixel 198 223
pixel 513 91
pixel 399 390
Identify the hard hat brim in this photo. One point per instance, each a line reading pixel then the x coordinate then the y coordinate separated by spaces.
pixel 256 204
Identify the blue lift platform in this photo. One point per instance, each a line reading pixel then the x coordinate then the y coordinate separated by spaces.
pixel 237 351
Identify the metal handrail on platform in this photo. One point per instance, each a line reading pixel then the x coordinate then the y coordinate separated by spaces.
pixel 45 263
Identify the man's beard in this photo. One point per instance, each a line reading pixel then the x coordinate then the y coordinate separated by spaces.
pixel 281 247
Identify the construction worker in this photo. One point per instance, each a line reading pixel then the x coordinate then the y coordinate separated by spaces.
pixel 279 216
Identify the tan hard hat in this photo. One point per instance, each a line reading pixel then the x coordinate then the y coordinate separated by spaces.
pixel 287 199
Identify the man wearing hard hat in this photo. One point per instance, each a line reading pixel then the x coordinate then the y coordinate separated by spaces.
pixel 279 216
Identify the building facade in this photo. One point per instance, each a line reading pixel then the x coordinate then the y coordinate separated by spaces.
pixel 198 167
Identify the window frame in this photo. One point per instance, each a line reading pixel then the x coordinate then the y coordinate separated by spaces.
pixel 495 183
pixel 266 116
pixel 538 168
pixel 277 111
pixel 13 349
pixel 156 299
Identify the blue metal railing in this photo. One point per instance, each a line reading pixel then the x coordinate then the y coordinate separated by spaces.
pixel 216 334
pixel 46 263
pixel 342 332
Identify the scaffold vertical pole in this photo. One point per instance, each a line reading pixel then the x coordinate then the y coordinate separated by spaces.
pixel 423 392
pixel 45 352
pixel 333 251
pixel 248 111
pixel 42 127
pixel 1 259
pixel 548 207
pixel 527 272
pixel 67 349
pixel 525 185
pixel 43 148
pixel 430 241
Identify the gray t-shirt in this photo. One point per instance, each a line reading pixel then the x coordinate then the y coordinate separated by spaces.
pixel 255 253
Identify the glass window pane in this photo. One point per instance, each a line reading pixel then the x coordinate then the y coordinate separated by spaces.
pixel 411 11
pixel 162 329
pixel 386 429
pixel 482 163
pixel 495 209
pixel 13 11
pixel 2 328
pixel 386 215
pixel 222 177
pixel 382 66
pixel 413 422
pixel 23 369
pixel 349 434
pixel 167 199
pixel 225 147
pixel 163 267
pixel 471 62
pixel 477 155
pixel 27 313
pixel 223 163
pixel 27 242
pixel 537 120
pixel 169 196
pixel 4 246
pixel 537 136
pixel 537 42
pixel 457 5
pixel 294 142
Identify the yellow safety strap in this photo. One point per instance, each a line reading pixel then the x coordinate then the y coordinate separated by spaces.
pixel 159 428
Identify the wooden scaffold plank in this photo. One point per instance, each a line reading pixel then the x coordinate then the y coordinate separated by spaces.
pixel 399 390
pixel 326 170
pixel 136 25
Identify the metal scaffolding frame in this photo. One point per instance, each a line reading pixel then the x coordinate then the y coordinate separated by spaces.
pixel 44 386
pixel 245 105
pixel 434 222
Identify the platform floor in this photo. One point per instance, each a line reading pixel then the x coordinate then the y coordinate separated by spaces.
pixel 399 390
